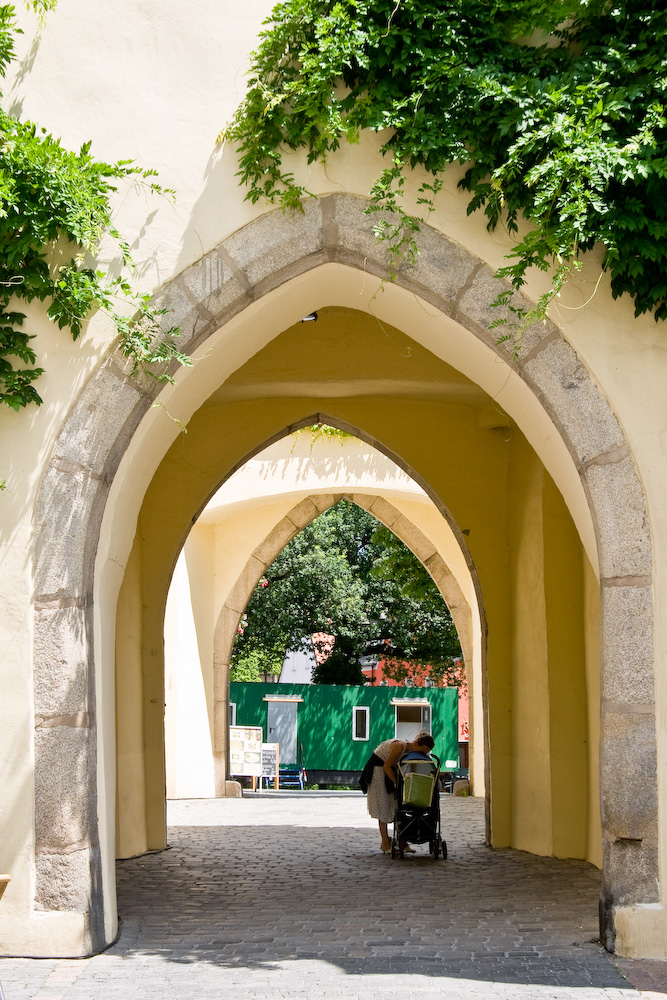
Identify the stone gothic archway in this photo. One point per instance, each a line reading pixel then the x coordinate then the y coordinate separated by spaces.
pixel 72 857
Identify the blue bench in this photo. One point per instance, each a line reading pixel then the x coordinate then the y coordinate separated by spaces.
pixel 291 777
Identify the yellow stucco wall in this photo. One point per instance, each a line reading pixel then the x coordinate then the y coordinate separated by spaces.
pixel 570 752
pixel 532 815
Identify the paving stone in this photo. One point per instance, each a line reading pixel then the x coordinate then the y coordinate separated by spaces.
pixel 287 895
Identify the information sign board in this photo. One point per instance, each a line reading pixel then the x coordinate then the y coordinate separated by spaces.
pixel 245 750
pixel 269 760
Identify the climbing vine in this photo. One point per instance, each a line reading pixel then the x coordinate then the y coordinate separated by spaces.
pixel 54 211
pixel 321 432
pixel 554 111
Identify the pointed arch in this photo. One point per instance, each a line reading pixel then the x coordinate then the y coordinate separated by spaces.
pixel 72 865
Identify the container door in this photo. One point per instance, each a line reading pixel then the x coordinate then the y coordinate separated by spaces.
pixel 282 729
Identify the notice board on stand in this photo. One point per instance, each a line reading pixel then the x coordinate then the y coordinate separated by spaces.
pixel 271 762
pixel 245 750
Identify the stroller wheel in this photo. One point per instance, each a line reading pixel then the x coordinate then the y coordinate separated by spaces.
pixel 434 852
pixel 444 848
pixel 393 851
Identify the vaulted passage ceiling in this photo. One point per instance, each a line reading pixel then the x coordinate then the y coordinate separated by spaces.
pixel 347 353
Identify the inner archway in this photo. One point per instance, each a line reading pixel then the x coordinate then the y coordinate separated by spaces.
pixel 533 573
pixel 273 498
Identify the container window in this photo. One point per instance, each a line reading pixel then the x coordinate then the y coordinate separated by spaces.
pixel 411 714
pixel 360 720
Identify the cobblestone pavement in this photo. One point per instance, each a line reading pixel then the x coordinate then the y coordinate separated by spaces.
pixel 276 896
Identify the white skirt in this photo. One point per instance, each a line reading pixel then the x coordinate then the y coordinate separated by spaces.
pixel 380 804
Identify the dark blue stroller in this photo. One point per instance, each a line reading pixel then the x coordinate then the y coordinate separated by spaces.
pixel 417 816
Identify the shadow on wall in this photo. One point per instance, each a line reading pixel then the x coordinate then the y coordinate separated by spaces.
pixel 17 786
pixel 219 179
pixel 330 467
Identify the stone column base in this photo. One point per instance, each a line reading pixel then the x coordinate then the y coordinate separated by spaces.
pixel 641 931
pixel 47 935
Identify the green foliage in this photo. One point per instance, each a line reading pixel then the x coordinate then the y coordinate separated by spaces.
pixel 423 641
pixel 310 581
pixel 554 108
pixel 347 576
pixel 54 211
pixel 342 666
pixel 322 432
pixel 253 664
pixel 41 6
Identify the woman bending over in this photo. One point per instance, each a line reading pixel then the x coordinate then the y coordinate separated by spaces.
pixel 380 797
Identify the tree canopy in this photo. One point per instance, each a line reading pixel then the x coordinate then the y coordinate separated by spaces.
pixel 348 576
pixel 555 110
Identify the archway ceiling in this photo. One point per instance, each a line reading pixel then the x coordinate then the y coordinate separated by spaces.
pixel 364 374
pixel 348 353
